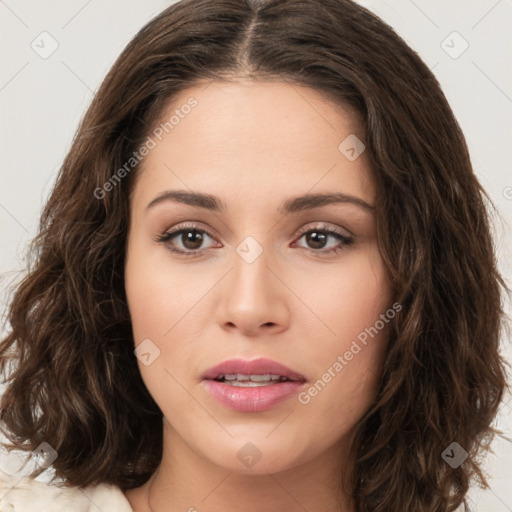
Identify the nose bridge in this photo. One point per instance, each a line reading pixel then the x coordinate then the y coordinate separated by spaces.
pixel 252 296
pixel 251 278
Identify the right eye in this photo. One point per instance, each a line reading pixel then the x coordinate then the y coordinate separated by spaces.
pixel 190 237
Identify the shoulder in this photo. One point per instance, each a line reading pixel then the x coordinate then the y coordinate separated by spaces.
pixel 24 494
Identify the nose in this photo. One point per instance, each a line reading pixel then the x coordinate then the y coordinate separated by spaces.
pixel 253 298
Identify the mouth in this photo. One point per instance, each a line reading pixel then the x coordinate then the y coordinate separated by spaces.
pixel 252 373
pixel 252 386
pixel 251 381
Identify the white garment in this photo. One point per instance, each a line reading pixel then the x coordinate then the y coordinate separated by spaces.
pixel 24 494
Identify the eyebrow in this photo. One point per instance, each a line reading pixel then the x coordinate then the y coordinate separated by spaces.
pixel 295 204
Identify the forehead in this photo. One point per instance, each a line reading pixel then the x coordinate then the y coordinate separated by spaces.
pixel 254 140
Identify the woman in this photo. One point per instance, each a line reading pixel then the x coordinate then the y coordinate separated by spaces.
pixel 264 279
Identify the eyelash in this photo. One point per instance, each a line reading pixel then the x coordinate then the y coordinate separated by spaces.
pixel 168 235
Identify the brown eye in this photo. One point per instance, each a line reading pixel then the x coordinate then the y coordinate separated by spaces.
pixel 316 239
pixel 191 239
pixel 187 241
pixel 319 240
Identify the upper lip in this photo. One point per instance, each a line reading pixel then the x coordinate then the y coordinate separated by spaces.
pixel 260 366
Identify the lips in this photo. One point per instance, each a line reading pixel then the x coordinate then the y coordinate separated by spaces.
pixel 252 386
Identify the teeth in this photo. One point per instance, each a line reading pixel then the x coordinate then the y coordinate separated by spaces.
pixel 249 383
pixel 239 379
pixel 261 378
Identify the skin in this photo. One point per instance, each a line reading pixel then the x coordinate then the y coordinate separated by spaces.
pixel 254 145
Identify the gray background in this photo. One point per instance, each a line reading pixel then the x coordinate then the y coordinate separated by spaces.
pixel 43 99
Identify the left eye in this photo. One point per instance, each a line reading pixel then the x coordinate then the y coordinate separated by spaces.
pixel 317 239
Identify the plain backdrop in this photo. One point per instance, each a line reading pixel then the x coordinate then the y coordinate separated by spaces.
pixel 467 44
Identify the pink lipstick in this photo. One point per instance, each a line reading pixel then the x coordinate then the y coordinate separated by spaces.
pixel 252 386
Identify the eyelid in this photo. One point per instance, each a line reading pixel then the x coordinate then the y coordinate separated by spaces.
pixel 323 226
pixel 187 226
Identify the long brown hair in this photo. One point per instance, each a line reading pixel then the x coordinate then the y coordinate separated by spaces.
pixel 73 380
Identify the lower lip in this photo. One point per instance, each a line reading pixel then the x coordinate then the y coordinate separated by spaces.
pixel 254 399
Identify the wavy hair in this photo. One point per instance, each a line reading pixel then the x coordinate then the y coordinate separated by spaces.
pixel 72 378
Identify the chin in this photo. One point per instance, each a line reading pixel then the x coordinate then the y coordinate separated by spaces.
pixel 260 456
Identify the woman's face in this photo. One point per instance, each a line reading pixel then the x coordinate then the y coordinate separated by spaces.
pixel 267 274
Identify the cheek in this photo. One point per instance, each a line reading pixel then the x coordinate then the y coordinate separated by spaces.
pixel 166 308
pixel 342 389
pixel 159 295
pixel 155 308
pixel 355 308
pixel 153 303
pixel 345 299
